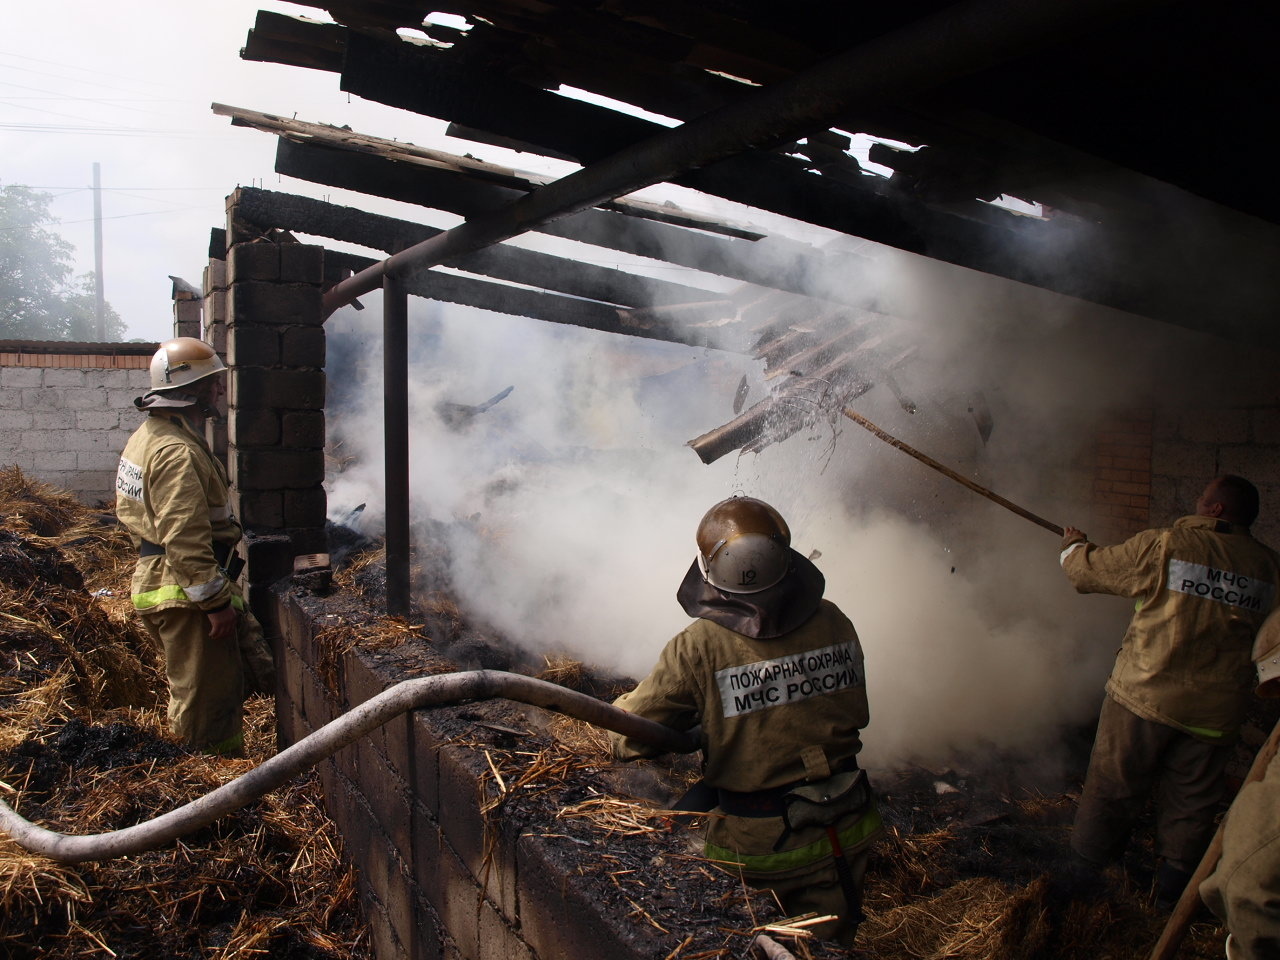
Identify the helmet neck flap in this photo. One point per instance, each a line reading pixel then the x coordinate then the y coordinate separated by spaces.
pixel 768 613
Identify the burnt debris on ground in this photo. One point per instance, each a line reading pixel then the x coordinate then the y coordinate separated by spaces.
pixel 975 863
pixel 84 749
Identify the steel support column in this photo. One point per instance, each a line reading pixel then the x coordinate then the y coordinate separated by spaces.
pixel 395 418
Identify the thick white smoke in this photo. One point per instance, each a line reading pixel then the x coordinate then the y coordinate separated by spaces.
pixel 572 502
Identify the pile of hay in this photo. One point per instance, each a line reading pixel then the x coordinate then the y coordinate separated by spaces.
pixel 84 748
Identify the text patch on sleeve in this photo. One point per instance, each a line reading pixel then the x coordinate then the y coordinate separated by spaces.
pixel 129 480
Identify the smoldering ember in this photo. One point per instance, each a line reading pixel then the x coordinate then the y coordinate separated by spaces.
pixel 932 303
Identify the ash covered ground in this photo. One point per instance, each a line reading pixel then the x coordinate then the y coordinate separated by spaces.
pixel 975 864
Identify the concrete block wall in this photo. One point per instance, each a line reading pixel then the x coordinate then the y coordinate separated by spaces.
pixel 1150 466
pixel 438 883
pixel 271 299
pixel 65 417
pixel 1190 447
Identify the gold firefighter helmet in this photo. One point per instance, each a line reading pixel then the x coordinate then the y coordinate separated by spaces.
pixel 181 362
pixel 744 545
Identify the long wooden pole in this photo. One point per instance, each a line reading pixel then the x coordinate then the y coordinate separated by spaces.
pixel 948 472
pixel 1185 909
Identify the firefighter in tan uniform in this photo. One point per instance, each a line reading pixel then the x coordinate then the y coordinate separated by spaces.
pixel 774 675
pixel 1182 678
pixel 172 497
pixel 1244 889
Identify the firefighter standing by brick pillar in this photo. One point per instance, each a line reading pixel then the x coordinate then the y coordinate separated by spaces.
pixel 1182 678
pixel 774 674
pixel 172 497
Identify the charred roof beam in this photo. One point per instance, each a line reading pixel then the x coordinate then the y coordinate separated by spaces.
pixel 536 304
pixel 957 40
pixel 266 208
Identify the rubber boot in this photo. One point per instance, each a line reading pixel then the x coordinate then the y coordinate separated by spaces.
pixel 1170 882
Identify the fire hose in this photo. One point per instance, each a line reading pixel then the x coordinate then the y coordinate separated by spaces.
pixel 434 691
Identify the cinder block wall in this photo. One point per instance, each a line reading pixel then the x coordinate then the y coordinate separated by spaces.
pixel 270 295
pixel 1190 447
pixel 65 416
pixel 1150 466
pixel 436 883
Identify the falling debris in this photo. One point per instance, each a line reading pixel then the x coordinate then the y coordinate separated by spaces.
pixel 459 416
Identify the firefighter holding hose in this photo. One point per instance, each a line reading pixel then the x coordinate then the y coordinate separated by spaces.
pixel 774 675
pixel 172 497
pixel 1182 679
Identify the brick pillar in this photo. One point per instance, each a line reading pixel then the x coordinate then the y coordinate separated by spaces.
pixel 1122 477
pixel 275 342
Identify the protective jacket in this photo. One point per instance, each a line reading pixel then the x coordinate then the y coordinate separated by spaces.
pixel 172 497
pixel 774 711
pixel 1203 588
pixel 1244 889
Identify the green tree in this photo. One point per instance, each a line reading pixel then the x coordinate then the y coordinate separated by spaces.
pixel 39 298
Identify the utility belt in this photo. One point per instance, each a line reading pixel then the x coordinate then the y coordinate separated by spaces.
pixel 847 787
pixel 229 562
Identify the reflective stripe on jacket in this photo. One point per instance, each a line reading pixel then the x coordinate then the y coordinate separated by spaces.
pixel 171 491
pixel 1203 588
pixel 760 703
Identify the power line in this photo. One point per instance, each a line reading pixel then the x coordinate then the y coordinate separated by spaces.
pixel 104 189
pixel 121 216
pixel 103 101
pixel 108 131
pixel 95 74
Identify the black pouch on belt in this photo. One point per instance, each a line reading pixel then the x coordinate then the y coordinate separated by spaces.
pixel 230 561
pixel 824 802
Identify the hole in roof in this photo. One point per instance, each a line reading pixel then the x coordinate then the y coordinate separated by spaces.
pixel 452 20
pixel 586 96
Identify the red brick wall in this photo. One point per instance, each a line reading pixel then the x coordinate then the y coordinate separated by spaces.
pixel 1122 477
pixel 79 361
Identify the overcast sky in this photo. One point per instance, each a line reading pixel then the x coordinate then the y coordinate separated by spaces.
pixel 128 85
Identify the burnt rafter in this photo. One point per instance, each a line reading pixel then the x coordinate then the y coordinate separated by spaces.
pixel 512 264
pixel 1132 243
pixel 427 159
pixel 775 262
pixel 439 83
pixel 1147 272
pixel 533 304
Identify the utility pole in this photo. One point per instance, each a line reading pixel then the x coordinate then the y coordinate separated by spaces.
pixel 99 297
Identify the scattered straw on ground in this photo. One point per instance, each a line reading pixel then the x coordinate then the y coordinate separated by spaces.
pixel 84 748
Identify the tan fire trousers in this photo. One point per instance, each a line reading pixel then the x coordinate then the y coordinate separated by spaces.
pixel 207 678
pixel 1134 760
pixel 822 893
